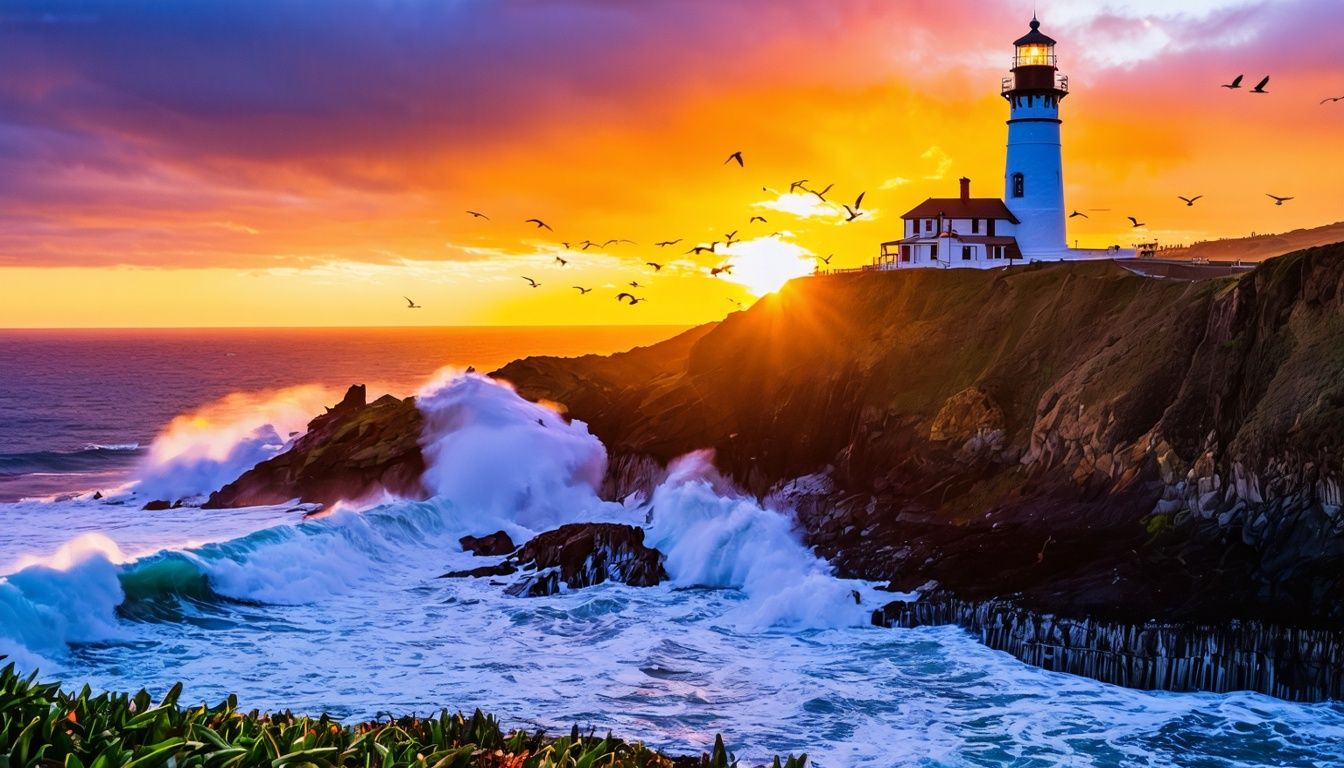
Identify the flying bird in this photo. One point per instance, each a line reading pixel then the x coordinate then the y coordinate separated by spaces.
pixel 1189 201
pixel 1236 83
pixel 666 243
pixel 1332 98
pixel 793 187
pixel 540 224
pixel 530 280
pixel 656 266
pixel 478 215
pixel 736 156
pixel 735 301
pixel 826 259
pixel 565 244
pixel 588 244
pixel 633 300
pixel 1260 87
pixel 1076 214
pixel 856 211
pixel 563 262
pixel 1278 200
pixel 1136 222
pixel 822 194
pixel 635 284
pixel 582 290
pixel 729 237
pixel 410 304
pixel 728 268
pixel 757 218
pixel 699 249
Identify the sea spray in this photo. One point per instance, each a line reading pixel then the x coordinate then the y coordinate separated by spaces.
pixel 69 597
pixel 200 451
pixel 715 539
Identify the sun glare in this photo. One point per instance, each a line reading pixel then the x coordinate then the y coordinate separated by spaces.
pixel 765 264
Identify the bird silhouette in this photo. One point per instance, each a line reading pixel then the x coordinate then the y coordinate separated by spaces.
pixel 735 301
pixel 478 215
pixel 540 224
pixel 530 280
pixel 856 211
pixel 1189 201
pixel 726 268
pixel 635 284
pixel 822 194
pixel 1136 222
pixel 757 218
pixel 666 243
pixel 1278 200
pixel 633 299
pixel 793 186
pixel 588 244
pixel 1332 98
pixel 826 259
pixel 1076 214
pixel 582 290
pixel 699 249
pixel 563 262
pixel 1260 87
pixel 410 304
pixel 1236 82
pixel 736 156
pixel 729 237
pixel 656 266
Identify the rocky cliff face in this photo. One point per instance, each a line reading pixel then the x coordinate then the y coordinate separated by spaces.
pixel 1083 439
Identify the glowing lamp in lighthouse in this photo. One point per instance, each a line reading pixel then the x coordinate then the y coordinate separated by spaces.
pixel 1033 173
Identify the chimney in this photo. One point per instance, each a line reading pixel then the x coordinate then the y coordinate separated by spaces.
pixel 965 189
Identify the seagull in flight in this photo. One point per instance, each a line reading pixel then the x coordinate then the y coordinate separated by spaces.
pixel 729 237
pixel 631 297
pixel 1278 200
pixel 656 266
pixel 635 284
pixel 478 215
pixel 1136 222
pixel 856 211
pixel 822 194
pixel 666 243
pixel 1332 98
pixel 588 244
pixel 1189 201
pixel 1260 87
pixel 736 156
pixel 756 218
pixel 534 283
pixel 699 249
pixel 1236 83
pixel 410 304
pixel 793 186
pixel 826 259
pixel 540 224
pixel 582 290
pixel 1076 214
pixel 563 262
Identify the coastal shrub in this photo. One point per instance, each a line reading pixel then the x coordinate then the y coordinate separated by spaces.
pixel 42 725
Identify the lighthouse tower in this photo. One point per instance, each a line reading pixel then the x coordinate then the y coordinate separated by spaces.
pixel 1033 174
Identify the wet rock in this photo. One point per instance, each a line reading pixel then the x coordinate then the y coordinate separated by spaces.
pixel 584 554
pixel 495 544
pixel 157 505
pixel 502 569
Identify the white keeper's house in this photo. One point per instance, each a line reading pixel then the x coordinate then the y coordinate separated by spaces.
pixel 1027 224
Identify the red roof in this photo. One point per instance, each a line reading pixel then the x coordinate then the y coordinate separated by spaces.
pixel 957 208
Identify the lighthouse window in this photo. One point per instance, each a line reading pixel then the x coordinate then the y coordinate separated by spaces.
pixel 1019 185
pixel 965 253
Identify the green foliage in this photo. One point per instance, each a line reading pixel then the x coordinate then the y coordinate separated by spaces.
pixel 41 725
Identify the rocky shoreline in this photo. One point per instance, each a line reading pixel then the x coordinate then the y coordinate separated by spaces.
pixel 1069 441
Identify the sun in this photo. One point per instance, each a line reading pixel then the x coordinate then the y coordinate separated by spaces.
pixel 765 264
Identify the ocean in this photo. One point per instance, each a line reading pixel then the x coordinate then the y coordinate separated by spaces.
pixel 752 637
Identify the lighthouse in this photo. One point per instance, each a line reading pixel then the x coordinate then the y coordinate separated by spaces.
pixel 1033 178
pixel 1027 224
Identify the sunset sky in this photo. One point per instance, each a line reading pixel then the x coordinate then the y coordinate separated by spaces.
pixel 309 163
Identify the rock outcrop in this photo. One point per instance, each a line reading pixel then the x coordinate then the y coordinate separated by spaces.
pixel 578 555
pixel 493 545
pixel 354 450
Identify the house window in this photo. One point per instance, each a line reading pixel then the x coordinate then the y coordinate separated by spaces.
pixel 965 253
pixel 905 253
pixel 1019 185
pixel 991 227
pixel 933 252
pixel 975 226
pixel 928 225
